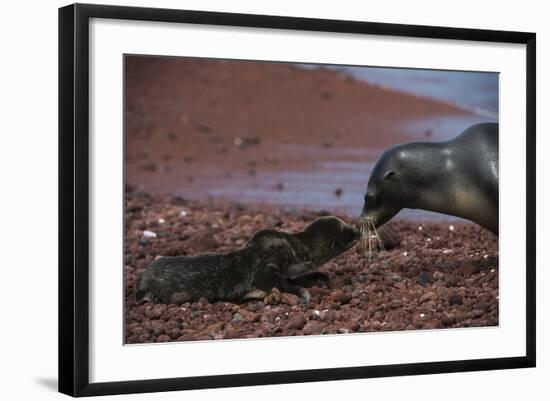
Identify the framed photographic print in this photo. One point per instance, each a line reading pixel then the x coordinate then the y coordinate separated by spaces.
pixel 251 199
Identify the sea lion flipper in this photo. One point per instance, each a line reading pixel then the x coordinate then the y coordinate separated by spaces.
pixel 180 297
pixel 311 279
pixel 255 294
pixel 299 269
pixel 144 296
pixel 271 275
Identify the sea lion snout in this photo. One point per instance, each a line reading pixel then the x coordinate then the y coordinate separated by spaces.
pixel 376 216
pixel 458 177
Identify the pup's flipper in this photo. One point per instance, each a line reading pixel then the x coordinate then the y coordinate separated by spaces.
pixel 299 269
pixel 255 294
pixel 270 276
pixel 311 279
pixel 144 296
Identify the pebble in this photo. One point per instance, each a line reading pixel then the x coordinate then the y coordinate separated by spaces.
pixel 478 313
pixel 296 321
pixel 424 278
pixel 428 296
pixel 396 303
pixel 202 302
pixel 328 315
pixel 461 316
pixel 149 234
pixel 456 299
pixel 386 295
pixel 448 319
pixel 290 299
pixel 395 277
pixel 158 327
pixel 273 298
pixel 342 297
pixel 237 318
pixel 255 306
pixel 468 269
pixel 438 275
pixel 144 338
pixel 482 306
pixel 313 328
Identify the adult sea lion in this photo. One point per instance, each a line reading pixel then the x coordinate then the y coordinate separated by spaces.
pixel 457 177
pixel 269 259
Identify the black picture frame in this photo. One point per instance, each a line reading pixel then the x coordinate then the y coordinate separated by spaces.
pixel 74 198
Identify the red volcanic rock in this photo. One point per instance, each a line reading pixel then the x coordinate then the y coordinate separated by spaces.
pixel 428 288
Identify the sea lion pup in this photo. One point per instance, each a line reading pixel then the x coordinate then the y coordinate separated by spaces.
pixel 269 259
pixel 457 177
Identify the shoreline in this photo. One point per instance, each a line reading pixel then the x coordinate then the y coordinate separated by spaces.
pixel 260 132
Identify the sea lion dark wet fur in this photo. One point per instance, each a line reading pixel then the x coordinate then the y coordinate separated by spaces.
pixel 269 259
pixel 457 177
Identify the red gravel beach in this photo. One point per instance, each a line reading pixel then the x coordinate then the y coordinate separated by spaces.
pixel 216 150
pixel 440 276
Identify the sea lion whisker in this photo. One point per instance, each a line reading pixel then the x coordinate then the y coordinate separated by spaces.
pixel 364 234
pixel 391 232
pixel 391 235
pixel 370 240
pixel 385 235
pixel 394 235
pixel 380 243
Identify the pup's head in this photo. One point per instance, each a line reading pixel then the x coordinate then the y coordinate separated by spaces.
pixel 328 237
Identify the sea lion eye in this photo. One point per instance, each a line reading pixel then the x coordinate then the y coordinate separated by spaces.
pixel 389 174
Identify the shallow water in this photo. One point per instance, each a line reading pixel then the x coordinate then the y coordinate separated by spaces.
pixel 335 186
pixel 338 182
pixel 474 91
pixel 441 128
